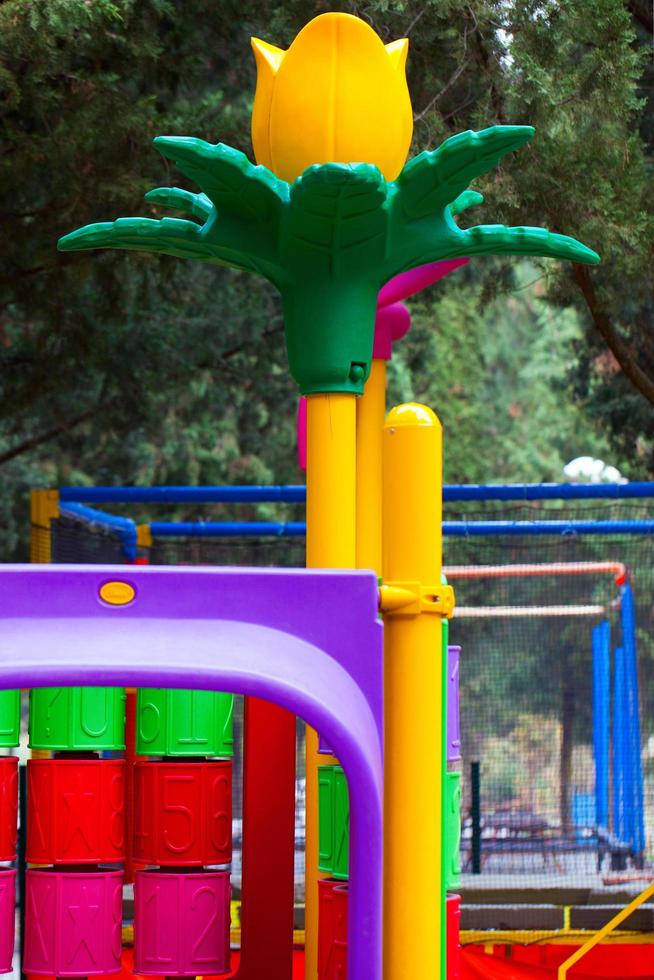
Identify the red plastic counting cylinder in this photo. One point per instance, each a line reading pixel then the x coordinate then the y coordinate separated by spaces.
pixel 77 811
pixel 183 813
pixel 332 930
pixel 7 918
pixel 73 923
pixel 8 807
pixel 181 923
pixel 453 943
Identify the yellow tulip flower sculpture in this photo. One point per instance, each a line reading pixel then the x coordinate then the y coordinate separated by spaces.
pixel 328 233
pixel 337 95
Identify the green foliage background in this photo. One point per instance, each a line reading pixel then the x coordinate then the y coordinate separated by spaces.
pixel 135 369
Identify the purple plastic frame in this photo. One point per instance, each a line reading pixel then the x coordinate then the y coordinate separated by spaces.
pixel 310 641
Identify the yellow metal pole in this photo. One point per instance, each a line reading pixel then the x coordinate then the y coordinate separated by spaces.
pixel 331 543
pixel 44 507
pixel 604 931
pixel 371 409
pixel 414 602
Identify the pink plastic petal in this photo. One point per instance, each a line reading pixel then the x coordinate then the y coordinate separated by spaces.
pixel 412 281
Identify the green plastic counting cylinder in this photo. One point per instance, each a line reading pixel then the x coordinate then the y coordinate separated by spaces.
pixel 9 719
pixel 333 822
pixel 452 830
pixel 77 719
pixel 184 723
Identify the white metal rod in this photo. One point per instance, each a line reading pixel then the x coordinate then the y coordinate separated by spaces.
pixel 495 612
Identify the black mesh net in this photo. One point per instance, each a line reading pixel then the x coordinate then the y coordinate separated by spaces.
pixel 527 717
pixel 258 552
pixel 80 542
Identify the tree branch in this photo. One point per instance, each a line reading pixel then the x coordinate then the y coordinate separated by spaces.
pixel 34 441
pixel 620 350
pixel 644 17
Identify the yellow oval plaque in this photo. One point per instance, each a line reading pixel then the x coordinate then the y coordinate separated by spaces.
pixel 117 593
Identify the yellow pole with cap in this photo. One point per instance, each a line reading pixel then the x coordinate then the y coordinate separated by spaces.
pixel 331 543
pixel 414 602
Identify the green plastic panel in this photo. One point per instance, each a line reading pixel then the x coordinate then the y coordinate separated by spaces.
pixel 184 723
pixel 77 719
pixel 452 830
pixel 333 822
pixel 9 719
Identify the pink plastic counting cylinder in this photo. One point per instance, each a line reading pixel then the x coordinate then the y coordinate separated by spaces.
pixel 7 917
pixel 181 923
pixel 73 923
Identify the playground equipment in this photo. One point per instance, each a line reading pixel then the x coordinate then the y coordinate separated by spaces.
pixel 523 547
pixel 328 232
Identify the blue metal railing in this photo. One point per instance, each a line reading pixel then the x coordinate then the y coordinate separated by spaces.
pixel 77 497
pixel 297 494
pixel 457 529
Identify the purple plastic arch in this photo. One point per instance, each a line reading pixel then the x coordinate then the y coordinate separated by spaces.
pixel 307 640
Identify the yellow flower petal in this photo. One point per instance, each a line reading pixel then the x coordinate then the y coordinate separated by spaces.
pixel 268 59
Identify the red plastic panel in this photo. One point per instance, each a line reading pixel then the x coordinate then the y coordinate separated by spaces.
pixel 181 923
pixel 76 811
pixel 453 910
pixel 73 923
pixel 625 960
pixel 8 807
pixel 332 929
pixel 183 813
pixel 268 842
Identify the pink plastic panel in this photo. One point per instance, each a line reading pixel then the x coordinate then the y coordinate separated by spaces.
pixel 7 917
pixel 73 923
pixel 181 923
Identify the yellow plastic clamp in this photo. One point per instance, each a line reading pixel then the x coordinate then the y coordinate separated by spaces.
pixel 412 598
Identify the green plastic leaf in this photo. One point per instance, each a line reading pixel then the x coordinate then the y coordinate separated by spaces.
pixel 337 214
pixel 234 185
pixel 169 236
pixel 434 179
pixel 198 205
pixel 522 240
pixel 464 201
